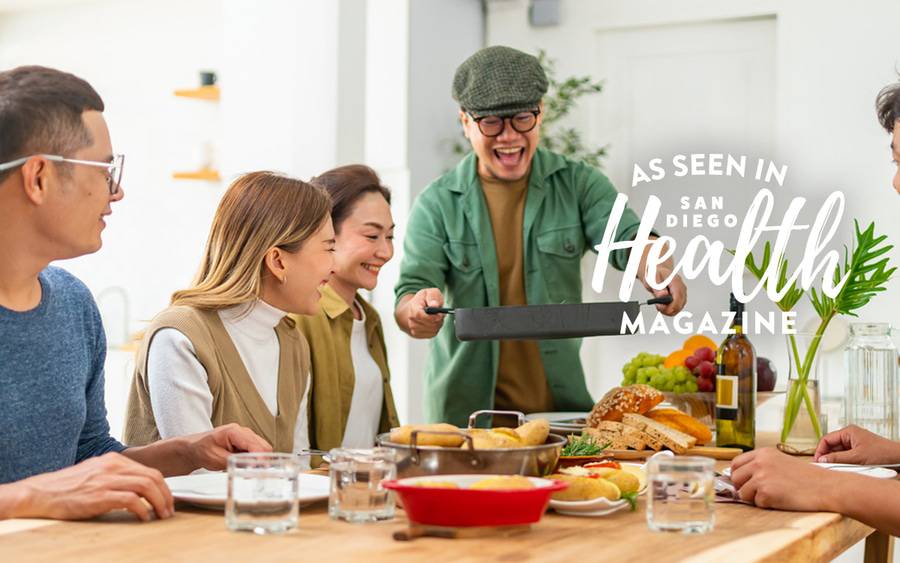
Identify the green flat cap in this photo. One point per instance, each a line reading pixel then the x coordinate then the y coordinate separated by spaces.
pixel 499 81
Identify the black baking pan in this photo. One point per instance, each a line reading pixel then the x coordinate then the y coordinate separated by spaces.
pixel 543 322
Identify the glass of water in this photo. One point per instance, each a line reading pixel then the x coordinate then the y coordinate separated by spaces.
pixel 681 496
pixel 262 492
pixel 356 493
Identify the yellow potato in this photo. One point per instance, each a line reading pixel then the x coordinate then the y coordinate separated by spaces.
pixel 437 485
pixel 637 472
pixel 403 435
pixel 534 433
pixel 585 488
pixel 503 482
pixel 493 440
pixel 625 481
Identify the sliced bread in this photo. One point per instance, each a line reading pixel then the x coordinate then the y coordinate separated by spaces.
pixel 675 440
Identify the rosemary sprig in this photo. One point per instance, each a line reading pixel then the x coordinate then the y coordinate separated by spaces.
pixel 581 446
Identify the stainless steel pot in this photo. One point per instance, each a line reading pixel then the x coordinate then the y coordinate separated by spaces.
pixel 415 460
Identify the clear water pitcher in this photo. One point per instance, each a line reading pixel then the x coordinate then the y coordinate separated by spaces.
pixel 872 394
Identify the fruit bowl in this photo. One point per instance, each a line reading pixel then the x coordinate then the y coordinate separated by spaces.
pixel 702 406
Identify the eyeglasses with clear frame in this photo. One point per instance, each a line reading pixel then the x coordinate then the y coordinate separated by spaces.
pixel 114 167
pixel 493 125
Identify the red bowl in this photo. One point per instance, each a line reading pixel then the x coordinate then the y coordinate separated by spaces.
pixel 473 507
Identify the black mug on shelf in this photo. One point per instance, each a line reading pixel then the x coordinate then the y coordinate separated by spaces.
pixel 207 78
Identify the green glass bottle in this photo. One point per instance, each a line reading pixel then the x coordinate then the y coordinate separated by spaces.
pixel 736 386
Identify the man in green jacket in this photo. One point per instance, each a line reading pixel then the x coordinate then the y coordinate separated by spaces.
pixel 508 226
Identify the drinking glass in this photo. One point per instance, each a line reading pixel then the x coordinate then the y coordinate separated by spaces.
pixel 262 492
pixel 681 496
pixel 356 493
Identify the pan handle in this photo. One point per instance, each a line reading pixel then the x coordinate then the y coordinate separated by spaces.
pixel 473 418
pixel 414 447
pixel 664 300
pixel 439 310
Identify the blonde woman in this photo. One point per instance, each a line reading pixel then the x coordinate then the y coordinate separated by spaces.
pixel 225 350
pixel 351 396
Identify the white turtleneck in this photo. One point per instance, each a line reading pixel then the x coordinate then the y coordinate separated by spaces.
pixel 179 391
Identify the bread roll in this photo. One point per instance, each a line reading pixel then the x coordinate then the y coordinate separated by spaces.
pixel 684 422
pixel 620 400
pixel 403 435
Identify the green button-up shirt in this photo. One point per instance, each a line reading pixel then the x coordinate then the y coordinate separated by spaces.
pixel 449 244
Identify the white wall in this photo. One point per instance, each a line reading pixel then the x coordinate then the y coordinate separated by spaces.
pixel 433 123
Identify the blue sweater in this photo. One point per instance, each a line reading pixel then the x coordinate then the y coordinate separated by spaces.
pixel 52 412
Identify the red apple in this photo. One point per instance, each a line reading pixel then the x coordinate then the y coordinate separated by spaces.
pixel 765 374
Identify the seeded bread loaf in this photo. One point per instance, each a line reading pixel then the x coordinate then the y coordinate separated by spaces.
pixel 620 400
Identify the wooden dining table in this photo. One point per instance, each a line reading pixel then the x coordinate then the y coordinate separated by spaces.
pixel 741 533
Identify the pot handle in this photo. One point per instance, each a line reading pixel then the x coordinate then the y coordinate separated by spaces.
pixel 473 418
pixel 414 438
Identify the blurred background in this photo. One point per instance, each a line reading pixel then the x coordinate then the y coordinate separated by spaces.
pixel 303 86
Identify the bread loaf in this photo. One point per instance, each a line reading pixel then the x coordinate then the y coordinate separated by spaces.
pixel 683 422
pixel 620 400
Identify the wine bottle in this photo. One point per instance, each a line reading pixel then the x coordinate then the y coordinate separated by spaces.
pixel 736 386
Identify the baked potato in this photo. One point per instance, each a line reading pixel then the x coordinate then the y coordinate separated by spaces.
pixel 585 488
pixel 534 433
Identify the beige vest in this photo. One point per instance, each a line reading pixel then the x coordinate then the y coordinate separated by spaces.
pixel 235 398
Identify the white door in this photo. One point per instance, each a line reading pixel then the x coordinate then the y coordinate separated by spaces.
pixel 670 89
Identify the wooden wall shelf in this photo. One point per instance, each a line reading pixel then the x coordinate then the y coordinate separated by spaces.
pixel 205 175
pixel 210 93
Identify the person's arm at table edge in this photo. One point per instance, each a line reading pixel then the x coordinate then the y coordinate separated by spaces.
pixel 13 496
pixel 874 502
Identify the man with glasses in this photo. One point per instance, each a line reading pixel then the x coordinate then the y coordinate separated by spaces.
pixel 508 226
pixel 58 179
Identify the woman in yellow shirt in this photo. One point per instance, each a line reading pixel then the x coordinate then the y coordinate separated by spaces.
pixel 351 395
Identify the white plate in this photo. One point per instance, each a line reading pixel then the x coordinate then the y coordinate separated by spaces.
pixel 867 470
pixel 210 490
pixel 597 506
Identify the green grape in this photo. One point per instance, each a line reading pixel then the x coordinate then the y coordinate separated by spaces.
pixel 691 386
pixel 649 361
pixel 680 377
pixel 679 388
pixel 651 371
pixel 643 378
pixel 632 372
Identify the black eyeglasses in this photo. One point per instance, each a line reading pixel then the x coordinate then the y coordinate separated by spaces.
pixel 493 126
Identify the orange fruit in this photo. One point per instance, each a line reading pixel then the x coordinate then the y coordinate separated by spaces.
pixel 699 341
pixel 677 358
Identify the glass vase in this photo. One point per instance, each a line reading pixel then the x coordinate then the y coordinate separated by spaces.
pixel 804 423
